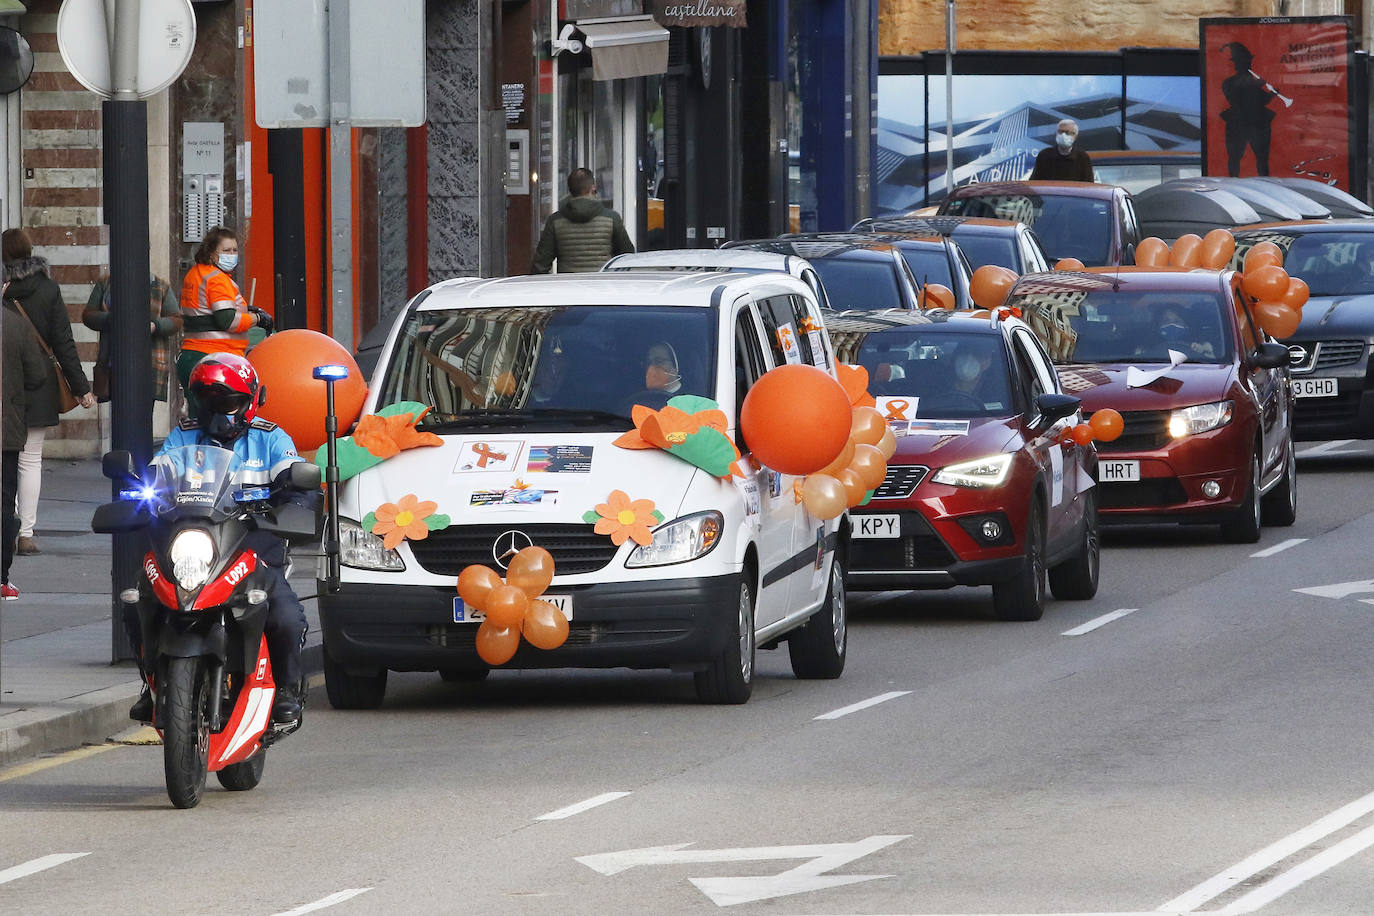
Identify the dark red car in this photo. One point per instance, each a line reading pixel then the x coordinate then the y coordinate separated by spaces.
pixel 1206 398
pixel 983 488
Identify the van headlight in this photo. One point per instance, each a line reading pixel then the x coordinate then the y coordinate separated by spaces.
pixel 192 553
pixel 362 549
pixel 680 540
pixel 1187 421
pixel 980 474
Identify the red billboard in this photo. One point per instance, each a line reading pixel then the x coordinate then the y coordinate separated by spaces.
pixel 1277 97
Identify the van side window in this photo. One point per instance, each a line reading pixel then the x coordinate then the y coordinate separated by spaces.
pixel 749 365
pixel 776 313
pixel 802 315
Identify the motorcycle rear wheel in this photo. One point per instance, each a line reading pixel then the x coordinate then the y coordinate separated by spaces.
pixel 186 732
pixel 240 777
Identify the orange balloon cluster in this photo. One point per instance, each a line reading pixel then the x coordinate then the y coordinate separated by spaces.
pixel 856 470
pixel 795 419
pixel 1214 251
pixel 513 607
pixel 990 284
pixel 296 400
pixel 1104 425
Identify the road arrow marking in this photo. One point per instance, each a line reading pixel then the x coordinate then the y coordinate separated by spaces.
pixel 729 891
pixel 1339 589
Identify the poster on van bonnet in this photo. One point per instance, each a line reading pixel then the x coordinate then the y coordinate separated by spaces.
pixel 1277 96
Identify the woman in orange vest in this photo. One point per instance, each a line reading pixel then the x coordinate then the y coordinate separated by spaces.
pixel 217 318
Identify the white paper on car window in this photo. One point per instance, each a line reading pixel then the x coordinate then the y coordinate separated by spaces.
pixel 787 338
pixel 1139 378
pixel 817 347
pixel 895 410
pixel 1056 475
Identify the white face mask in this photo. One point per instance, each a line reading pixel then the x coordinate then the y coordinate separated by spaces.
pixel 227 262
pixel 967 369
pixel 1064 141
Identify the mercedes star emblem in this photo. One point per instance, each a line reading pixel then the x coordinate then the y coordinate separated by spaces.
pixel 508 544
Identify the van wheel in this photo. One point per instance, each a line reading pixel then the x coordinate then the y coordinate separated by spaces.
pixel 1280 505
pixel 817 647
pixel 1076 578
pixel 730 678
pixel 1244 526
pixel 1023 596
pixel 352 691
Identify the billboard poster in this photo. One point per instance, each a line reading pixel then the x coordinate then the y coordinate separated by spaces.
pixel 1276 97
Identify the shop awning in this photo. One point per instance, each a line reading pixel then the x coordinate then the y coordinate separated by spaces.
pixel 626 47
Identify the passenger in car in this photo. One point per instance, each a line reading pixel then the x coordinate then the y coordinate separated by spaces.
pixel 1176 334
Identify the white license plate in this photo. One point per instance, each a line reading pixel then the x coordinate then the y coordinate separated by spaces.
pixel 464 614
pixel 1117 470
pixel 1314 387
pixel 876 527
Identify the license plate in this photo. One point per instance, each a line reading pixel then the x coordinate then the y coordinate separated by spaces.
pixel 877 527
pixel 1314 387
pixel 1117 470
pixel 464 614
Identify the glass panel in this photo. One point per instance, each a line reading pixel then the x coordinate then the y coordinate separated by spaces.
pixel 1129 326
pixel 952 374
pixel 859 284
pixel 1333 263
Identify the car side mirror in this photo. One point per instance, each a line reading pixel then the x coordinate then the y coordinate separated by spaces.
pixel 305 475
pixel 1055 407
pixel 1270 356
pixel 118 465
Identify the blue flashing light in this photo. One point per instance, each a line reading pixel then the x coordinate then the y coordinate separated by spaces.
pixel 252 494
pixel 331 373
pixel 142 493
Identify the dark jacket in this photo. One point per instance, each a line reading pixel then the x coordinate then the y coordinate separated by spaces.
pixel 25 368
pixel 164 315
pixel 32 286
pixel 1052 165
pixel 582 235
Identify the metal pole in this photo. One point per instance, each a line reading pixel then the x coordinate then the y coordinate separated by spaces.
pixel 340 176
pixel 949 99
pixel 331 475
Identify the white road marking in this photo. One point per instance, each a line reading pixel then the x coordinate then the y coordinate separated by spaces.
pixel 1324 447
pixel 1322 861
pixel 325 902
pixel 1339 589
pixel 1099 621
pixel 1270 855
pixel 1278 548
pixel 33 866
pixel 873 701
pixel 581 806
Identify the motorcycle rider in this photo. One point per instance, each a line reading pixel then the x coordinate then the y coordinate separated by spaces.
pixel 228 396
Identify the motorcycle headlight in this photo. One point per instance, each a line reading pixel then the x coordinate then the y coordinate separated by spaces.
pixel 361 549
pixel 192 553
pixel 1202 418
pixel 680 540
pixel 980 474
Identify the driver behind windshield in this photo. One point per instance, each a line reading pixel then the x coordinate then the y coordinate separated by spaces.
pixel 1177 334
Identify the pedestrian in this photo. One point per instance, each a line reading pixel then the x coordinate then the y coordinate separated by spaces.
pixel 25 370
pixel 37 298
pixel 216 317
pixel 164 324
pixel 582 234
pixel 1063 161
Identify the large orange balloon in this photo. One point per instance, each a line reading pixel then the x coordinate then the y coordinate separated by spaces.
pixel 1296 294
pixel 295 399
pixel 1187 251
pixel 870 464
pixel 1277 319
pixel 1152 252
pixel 506 606
pixel 854 489
pixel 867 426
pixel 1107 424
pixel 1218 247
pixel 1267 283
pixel 475 583
pixel 795 419
pixel 937 296
pixel 990 284
pixel 496 645
pixel 1263 254
pixel 823 496
pixel 1068 264
pixel 545 626
pixel 531 571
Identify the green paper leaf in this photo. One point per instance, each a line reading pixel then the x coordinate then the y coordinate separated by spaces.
pixel 400 407
pixel 591 516
pixel 369 520
pixel 707 449
pixel 867 497
pixel 691 403
pixel 436 522
pixel 658 517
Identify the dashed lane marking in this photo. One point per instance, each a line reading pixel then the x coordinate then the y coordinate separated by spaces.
pixel 581 806
pixel 1324 448
pixel 864 704
pixel 34 866
pixel 1278 548
pixel 326 902
pixel 1099 621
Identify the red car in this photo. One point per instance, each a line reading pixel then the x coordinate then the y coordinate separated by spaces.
pixel 1206 398
pixel 984 489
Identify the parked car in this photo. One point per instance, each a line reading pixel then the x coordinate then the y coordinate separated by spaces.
pixel 721 260
pixel 1205 397
pixel 531 380
pixel 858 270
pixel 1329 351
pixel 1095 223
pixel 984 489
pixel 1136 170
pixel 984 241
pixel 932 256
pixel 1199 205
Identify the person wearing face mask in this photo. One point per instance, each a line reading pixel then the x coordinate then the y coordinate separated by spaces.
pixel 1174 331
pixel 216 316
pixel 1064 161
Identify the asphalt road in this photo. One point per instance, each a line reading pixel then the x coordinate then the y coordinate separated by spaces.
pixel 1209 751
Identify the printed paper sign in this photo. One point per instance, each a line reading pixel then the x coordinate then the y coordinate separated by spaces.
pixel 774 484
pixel 749 490
pixel 897 410
pixel 817 347
pixel 518 494
pixel 488 455
pixel 560 459
pixel 937 428
pixel 787 339
pixel 1056 475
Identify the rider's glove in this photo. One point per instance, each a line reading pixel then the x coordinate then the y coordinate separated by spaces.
pixel 263 319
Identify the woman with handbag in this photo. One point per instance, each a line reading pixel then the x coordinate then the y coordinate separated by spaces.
pixel 164 324
pixel 34 295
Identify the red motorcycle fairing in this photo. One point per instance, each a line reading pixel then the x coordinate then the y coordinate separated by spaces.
pixel 163 589
pixel 218 591
pixel 241 735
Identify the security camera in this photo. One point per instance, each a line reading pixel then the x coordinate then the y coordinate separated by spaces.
pixel 566 42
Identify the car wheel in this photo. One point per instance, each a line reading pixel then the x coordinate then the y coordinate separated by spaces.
pixel 1244 526
pixel 352 691
pixel 817 648
pixel 1023 596
pixel 1076 578
pixel 730 677
pixel 1280 505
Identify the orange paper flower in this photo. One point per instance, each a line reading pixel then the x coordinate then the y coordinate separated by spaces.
pixel 385 437
pixel 402 520
pixel 622 518
pixel 854 380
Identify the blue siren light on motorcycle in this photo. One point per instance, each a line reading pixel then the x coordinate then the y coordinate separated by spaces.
pixel 252 494
pixel 331 373
pixel 143 492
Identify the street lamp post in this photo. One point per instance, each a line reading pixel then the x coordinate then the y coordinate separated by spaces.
pixel 949 99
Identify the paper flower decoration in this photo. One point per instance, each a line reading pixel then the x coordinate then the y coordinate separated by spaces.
pixel 406 519
pixel 624 519
pixel 689 427
pixel 379 436
pixel 854 381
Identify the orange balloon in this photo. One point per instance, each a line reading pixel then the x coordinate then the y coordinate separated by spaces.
pixel 1218 247
pixel 1187 251
pixel 1267 283
pixel 1068 264
pixel 841 460
pixel 937 296
pixel 796 419
pixel 531 571
pixel 506 606
pixel 1277 319
pixel 1152 252
pixel 1107 424
pixel 1296 294
pixel 475 584
pixel 870 464
pixel 888 443
pixel 989 285
pixel 496 645
pixel 1083 434
pixel 295 399
pixel 545 626
pixel 823 496
pixel 867 426
pixel 1263 254
pixel 854 489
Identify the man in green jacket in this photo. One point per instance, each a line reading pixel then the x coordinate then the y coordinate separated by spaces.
pixel 582 235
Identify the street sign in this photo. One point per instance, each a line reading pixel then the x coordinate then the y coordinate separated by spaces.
pixel 166 38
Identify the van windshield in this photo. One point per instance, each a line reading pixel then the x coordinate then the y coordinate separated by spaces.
pixel 587 365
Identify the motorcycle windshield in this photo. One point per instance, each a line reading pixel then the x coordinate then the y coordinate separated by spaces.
pixel 195 480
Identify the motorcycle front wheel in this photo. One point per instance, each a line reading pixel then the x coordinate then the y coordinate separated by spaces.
pixel 186 731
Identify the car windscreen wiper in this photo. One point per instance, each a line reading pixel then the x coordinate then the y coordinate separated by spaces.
pixel 486 418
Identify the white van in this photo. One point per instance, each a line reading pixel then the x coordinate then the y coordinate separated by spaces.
pixel 723 260
pixel 531 380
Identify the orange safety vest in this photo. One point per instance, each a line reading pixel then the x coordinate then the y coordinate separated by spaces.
pixel 206 290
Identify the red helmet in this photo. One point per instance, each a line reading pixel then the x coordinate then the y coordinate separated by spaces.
pixel 225 386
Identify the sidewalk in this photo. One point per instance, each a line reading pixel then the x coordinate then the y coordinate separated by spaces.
pixel 58 688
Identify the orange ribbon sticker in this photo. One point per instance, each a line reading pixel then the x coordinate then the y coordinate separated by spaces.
pixel 896 409
pixel 484 454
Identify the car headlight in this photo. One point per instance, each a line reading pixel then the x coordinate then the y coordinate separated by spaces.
pixel 361 549
pixel 1187 421
pixel 680 540
pixel 192 553
pixel 980 474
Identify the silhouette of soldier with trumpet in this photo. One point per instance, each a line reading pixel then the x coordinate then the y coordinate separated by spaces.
pixel 1248 119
